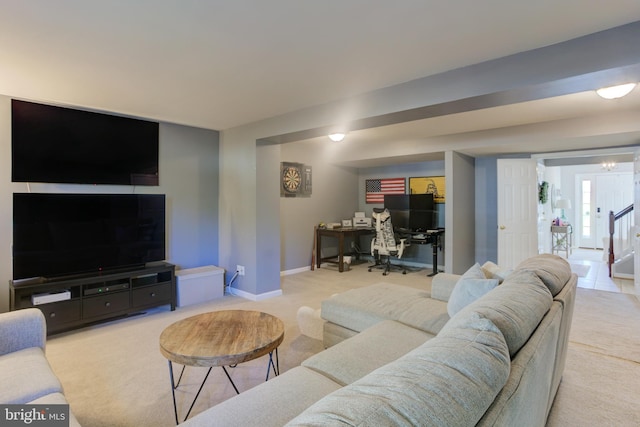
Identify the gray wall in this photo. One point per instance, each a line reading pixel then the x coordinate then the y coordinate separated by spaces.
pixel 334 198
pixel 189 175
pixel 486 186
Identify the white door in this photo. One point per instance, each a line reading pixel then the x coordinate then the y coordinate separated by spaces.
pixel 517 211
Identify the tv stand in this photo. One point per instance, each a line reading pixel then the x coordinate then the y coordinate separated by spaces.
pixel 85 299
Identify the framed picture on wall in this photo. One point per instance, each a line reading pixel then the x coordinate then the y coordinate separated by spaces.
pixel 428 184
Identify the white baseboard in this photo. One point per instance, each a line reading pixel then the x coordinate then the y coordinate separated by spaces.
pixel 294 271
pixel 254 297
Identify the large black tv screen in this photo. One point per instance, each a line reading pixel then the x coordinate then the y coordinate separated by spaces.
pixel 65 234
pixel 64 145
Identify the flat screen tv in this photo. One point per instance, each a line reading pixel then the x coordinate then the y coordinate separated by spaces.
pixel 422 214
pixel 66 234
pixel 64 145
pixel 413 212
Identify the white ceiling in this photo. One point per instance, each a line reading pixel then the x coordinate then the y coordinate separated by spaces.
pixel 220 64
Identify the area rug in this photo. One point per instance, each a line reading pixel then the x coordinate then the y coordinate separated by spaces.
pixel 599 385
pixel 580 269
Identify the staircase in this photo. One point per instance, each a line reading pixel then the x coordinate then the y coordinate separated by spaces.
pixel 621 254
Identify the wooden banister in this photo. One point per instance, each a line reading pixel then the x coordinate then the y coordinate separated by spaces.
pixel 613 217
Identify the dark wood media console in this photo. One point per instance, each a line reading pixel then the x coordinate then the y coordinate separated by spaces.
pixel 97 297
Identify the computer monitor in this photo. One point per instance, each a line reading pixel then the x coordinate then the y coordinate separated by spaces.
pixel 421 212
pixel 399 208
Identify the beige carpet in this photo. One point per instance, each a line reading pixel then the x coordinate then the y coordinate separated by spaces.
pixel 601 383
pixel 114 374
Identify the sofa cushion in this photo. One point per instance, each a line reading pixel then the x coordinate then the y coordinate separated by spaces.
pixel 271 404
pixel 515 307
pixel 450 380
pixel 471 286
pixel 358 309
pixel 442 285
pixel 372 348
pixel 26 376
pixel 553 270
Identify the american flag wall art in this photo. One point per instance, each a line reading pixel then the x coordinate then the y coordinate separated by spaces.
pixel 377 188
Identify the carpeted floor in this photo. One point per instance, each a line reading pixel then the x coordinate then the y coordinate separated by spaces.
pixel 114 374
pixel 600 386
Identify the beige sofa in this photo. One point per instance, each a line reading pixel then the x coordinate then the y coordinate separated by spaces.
pixel 471 352
pixel 27 377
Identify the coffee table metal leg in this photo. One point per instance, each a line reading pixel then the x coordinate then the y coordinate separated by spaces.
pixel 198 393
pixel 230 380
pixel 174 386
pixel 180 377
pixel 276 366
pixel 173 391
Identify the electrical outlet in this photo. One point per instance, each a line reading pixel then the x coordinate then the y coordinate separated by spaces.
pixel 240 269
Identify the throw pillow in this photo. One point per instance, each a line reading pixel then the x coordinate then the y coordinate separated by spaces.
pixel 493 271
pixel 472 285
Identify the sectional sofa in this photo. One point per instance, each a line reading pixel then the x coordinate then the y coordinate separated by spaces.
pixel 487 348
pixel 27 377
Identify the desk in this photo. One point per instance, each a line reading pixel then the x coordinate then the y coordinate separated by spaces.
pixel 340 234
pixel 561 236
pixel 430 237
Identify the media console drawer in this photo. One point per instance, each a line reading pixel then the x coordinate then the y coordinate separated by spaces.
pixel 58 313
pixel 105 304
pixel 151 294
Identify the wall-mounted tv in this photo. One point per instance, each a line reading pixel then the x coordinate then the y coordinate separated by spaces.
pixel 63 145
pixel 65 234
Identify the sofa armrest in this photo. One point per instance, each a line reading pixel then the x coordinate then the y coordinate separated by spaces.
pixel 442 285
pixel 22 329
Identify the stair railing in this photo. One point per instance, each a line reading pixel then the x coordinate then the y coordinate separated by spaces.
pixel 623 237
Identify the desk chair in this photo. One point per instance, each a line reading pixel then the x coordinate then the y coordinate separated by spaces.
pixel 384 245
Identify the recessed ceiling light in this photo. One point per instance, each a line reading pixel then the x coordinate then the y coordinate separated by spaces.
pixel 336 137
pixel 614 92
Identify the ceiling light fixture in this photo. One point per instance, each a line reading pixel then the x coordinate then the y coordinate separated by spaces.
pixel 614 92
pixel 336 137
pixel 608 166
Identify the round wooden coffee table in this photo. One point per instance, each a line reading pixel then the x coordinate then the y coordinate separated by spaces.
pixel 221 338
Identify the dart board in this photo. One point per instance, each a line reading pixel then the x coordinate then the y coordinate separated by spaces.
pixel 295 179
pixel 291 178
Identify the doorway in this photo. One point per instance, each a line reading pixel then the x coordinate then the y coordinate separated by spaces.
pixel 596 195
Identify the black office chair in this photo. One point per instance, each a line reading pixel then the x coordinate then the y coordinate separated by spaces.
pixel 384 245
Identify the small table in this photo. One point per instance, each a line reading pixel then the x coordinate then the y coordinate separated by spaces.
pixel 561 239
pixel 220 338
pixel 339 233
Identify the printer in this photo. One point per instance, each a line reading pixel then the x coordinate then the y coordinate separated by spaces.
pixel 359 220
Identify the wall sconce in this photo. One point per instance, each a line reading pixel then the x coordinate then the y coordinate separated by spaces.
pixel 608 165
pixel 337 137
pixel 614 92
